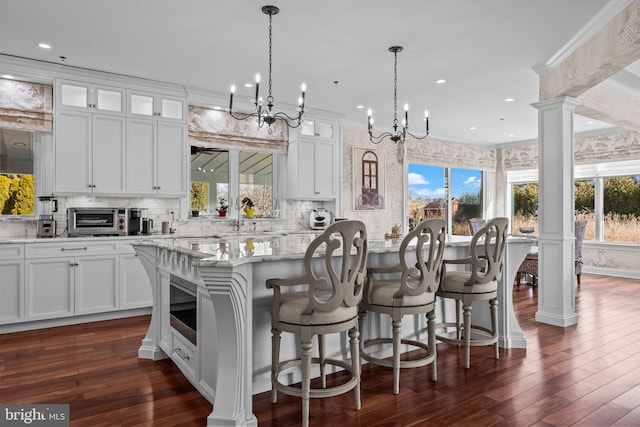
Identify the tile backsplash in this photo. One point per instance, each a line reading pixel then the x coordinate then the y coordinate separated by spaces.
pixel 295 217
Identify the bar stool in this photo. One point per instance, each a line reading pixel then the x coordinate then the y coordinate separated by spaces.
pixel 328 305
pixel 479 283
pixel 410 290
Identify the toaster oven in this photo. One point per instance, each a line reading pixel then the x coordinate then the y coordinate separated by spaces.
pixel 96 222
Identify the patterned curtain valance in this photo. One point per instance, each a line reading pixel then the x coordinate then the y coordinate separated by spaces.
pixel 450 154
pixel 216 129
pixel 614 147
pixel 26 106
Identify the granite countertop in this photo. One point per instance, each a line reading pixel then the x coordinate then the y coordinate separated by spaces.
pixel 230 251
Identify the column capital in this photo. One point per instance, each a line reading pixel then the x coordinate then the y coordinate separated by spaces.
pixel 561 101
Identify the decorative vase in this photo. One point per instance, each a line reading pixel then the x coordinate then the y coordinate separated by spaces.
pixel 222 213
pixel 195 213
pixel 249 212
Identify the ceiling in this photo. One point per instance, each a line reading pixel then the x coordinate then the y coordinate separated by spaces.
pixel 486 51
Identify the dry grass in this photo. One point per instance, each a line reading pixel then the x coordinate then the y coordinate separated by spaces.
pixel 617 228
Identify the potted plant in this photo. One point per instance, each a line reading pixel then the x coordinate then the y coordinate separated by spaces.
pixel 247 207
pixel 223 206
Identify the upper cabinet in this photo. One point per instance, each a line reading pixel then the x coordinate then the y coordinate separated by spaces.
pixel 90 139
pixel 118 141
pixel 143 104
pixel 313 163
pixel 89 97
pixel 318 128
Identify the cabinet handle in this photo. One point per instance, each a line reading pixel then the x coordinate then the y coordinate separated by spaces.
pixel 74 264
pixel 73 249
pixel 180 354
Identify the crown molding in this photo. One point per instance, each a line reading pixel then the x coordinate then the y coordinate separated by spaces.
pixel 595 24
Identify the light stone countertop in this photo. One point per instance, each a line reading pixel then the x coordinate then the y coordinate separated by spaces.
pixel 231 251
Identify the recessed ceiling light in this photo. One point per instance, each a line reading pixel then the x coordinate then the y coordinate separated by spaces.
pixel 509 99
pixel 44 45
pixel 473 128
pixel 590 122
pixel 511 134
pixel 217 108
pixel 441 81
pixel 359 107
pixel 248 85
pixel 19 144
pixel 7 76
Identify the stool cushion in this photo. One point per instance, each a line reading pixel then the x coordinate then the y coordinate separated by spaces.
pixel 292 304
pixel 382 294
pixel 454 281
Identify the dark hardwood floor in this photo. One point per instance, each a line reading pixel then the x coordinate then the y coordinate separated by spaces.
pixel 583 375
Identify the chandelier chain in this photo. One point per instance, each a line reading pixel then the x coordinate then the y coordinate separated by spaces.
pixel 395 90
pixel 270 98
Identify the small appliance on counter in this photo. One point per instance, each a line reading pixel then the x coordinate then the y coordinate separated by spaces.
pixel 137 216
pixel 96 222
pixel 46 226
pixel 147 226
pixel 319 219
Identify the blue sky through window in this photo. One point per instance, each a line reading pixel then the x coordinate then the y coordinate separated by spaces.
pixel 427 182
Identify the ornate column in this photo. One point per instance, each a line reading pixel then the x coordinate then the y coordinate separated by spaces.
pixel 556 293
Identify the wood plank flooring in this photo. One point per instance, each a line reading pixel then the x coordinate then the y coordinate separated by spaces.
pixel 583 375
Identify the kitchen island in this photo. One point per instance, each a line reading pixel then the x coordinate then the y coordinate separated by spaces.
pixel 226 354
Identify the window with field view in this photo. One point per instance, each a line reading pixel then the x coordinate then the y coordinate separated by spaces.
pixel 619 214
pixel 621 209
pixel 17 165
pixel 428 194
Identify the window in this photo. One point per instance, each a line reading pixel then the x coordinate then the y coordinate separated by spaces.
pixel 466 198
pixel 212 170
pixel 524 200
pixel 17 177
pixel 621 209
pixel 256 180
pixel 209 178
pixel 607 195
pixel 584 196
pixel 428 193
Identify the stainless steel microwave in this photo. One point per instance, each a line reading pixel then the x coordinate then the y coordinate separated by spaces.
pixel 96 222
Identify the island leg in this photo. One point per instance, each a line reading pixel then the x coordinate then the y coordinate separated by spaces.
pixel 231 295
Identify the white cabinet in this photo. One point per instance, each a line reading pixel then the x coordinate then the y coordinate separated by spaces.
pixel 318 128
pixel 90 138
pixel 156 157
pixel 144 104
pixel 11 283
pixel 68 279
pixel 49 290
pixel 135 286
pixel 90 152
pixel 312 169
pixel 80 96
pixel 97 153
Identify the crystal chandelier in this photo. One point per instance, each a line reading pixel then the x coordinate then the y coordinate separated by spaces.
pixel 398 135
pixel 267 115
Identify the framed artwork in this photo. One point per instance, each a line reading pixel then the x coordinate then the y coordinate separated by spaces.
pixel 368 179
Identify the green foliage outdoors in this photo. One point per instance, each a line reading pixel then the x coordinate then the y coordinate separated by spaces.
pixel 199 196
pixel 17 194
pixel 621 196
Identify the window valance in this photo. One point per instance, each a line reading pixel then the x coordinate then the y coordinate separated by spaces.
pixel 26 106
pixel 450 154
pixel 216 129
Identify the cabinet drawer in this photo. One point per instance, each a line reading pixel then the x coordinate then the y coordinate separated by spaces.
pixel 184 354
pixel 11 251
pixel 81 248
